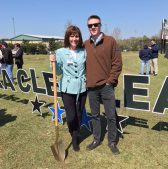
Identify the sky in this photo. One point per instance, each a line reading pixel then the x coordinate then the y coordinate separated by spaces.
pixel 134 18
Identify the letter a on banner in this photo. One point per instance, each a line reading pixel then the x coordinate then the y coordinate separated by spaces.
pixel 161 103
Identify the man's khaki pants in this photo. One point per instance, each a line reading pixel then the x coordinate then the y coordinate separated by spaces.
pixel 154 65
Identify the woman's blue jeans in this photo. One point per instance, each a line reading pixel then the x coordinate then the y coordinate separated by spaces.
pixel 143 64
pixel 9 70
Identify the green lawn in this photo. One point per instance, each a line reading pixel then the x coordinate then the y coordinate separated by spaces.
pixel 26 137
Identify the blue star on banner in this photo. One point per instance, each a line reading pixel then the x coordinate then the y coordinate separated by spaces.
pixel 86 120
pixel 37 105
pixel 59 111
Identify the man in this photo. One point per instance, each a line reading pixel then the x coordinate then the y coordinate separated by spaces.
pixel 154 58
pixel 7 60
pixel 103 67
pixel 18 55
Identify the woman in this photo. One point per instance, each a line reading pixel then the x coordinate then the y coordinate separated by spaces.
pixel 70 62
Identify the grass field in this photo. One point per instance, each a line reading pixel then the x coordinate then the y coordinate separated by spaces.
pixel 26 137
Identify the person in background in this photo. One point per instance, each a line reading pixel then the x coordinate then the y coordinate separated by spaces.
pixel 166 53
pixel 145 56
pixel 1 56
pixel 7 60
pixel 18 55
pixel 154 58
pixel 103 67
pixel 70 63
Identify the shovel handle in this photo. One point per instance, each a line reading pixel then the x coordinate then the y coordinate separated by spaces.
pixel 55 92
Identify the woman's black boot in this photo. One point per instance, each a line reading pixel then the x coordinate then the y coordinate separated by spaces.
pixel 75 141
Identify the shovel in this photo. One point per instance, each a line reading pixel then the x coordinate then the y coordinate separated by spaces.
pixel 57 148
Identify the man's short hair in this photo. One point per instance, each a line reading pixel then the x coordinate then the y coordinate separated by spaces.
pixel 153 40
pixel 94 17
pixel 18 45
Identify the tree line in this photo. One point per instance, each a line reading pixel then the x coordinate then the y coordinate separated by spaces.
pixel 130 44
pixel 38 48
pixel 136 43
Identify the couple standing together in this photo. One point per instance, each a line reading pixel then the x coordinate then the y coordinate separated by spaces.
pixel 91 68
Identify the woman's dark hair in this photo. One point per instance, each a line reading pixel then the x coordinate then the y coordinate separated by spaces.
pixel 73 30
pixel 153 40
pixel 5 44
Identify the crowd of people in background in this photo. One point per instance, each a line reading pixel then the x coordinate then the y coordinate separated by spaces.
pixel 149 59
pixel 7 56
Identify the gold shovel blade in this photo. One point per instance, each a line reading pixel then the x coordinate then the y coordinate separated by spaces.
pixel 58 150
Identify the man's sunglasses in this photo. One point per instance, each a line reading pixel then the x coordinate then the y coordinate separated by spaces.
pixel 94 24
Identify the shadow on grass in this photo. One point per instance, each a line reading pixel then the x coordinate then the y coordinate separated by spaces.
pixel 14 98
pixel 66 150
pixel 5 118
pixel 134 121
pixel 48 105
pixel 85 133
pixel 161 126
pixel 44 115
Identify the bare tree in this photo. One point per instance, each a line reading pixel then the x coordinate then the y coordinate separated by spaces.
pixel 116 33
pixel 106 29
pixel 68 23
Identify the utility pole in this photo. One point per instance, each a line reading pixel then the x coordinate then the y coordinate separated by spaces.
pixel 13 20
